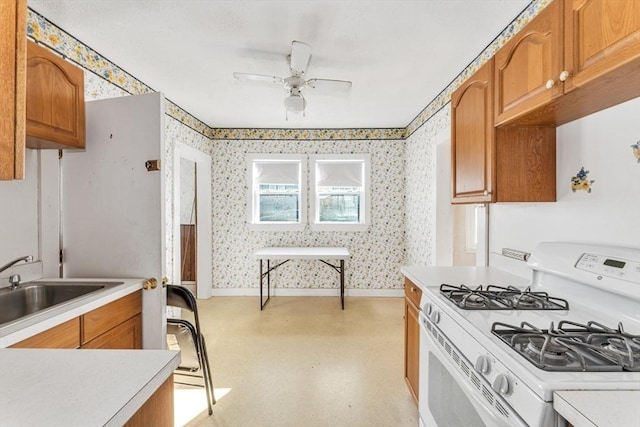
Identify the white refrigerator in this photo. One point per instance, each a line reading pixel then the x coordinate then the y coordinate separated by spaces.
pixel 113 201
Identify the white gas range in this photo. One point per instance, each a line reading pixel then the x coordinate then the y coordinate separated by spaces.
pixel 493 356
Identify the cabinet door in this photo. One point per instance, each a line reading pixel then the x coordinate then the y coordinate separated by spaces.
pixel 527 63
pixel 105 318
pixel 472 138
pixel 125 336
pixel 600 36
pixel 13 45
pixel 412 348
pixel 55 101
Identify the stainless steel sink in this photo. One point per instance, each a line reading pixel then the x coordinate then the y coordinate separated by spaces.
pixel 35 297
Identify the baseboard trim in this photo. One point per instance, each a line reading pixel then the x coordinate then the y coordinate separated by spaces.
pixel 308 292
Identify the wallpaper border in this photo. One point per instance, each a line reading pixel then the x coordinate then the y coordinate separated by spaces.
pixel 45 32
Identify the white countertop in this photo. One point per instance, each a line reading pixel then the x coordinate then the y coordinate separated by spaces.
pixel 79 387
pixel 470 276
pixel 606 408
pixel 12 333
pixel 302 253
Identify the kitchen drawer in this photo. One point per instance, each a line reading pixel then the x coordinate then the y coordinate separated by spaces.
pixel 107 317
pixel 413 292
pixel 64 335
pixel 126 336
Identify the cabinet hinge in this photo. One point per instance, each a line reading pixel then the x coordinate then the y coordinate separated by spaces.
pixel 61 256
pixel 60 154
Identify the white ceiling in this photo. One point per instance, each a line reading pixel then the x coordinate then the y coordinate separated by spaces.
pixel 398 54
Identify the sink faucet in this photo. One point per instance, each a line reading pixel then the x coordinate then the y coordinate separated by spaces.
pixel 27 258
pixel 14 280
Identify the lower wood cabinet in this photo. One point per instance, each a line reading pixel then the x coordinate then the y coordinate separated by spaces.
pixel 117 325
pixel 412 337
pixel 157 411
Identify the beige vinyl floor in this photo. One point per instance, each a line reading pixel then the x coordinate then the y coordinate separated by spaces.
pixel 302 362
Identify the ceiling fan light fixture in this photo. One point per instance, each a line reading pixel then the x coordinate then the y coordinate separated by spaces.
pixel 294 103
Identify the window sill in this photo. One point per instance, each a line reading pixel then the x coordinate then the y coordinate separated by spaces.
pixel 277 227
pixel 339 227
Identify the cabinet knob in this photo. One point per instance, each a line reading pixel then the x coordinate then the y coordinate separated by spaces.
pixel 550 83
pixel 486 192
pixel 151 283
pixel 564 75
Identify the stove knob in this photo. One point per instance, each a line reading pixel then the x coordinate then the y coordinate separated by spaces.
pixel 502 385
pixel 483 365
pixel 435 317
pixel 429 308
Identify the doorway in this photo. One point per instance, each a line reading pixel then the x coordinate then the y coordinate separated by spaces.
pixel 192 220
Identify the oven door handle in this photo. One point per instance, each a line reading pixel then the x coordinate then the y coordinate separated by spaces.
pixel 490 417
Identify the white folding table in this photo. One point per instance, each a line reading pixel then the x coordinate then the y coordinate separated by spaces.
pixel 288 253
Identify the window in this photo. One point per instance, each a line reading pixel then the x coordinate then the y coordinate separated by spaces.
pixel 340 192
pixel 277 198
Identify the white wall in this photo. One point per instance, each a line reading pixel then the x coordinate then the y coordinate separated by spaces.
pixel 609 214
pixel 29 217
pixel 19 213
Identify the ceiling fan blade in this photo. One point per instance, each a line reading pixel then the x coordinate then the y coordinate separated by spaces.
pixel 299 59
pixel 258 77
pixel 328 85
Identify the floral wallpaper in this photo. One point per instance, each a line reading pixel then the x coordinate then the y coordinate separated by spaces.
pixel 420 173
pixel 377 253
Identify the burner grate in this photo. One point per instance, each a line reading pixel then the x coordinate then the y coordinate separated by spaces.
pixel 573 346
pixel 501 298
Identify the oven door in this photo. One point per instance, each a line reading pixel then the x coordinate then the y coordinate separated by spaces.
pixel 450 393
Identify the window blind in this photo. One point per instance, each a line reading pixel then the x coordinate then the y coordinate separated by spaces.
pixel 276 172
pixel 339 174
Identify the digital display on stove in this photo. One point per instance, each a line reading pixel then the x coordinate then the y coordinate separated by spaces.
pixel 614 263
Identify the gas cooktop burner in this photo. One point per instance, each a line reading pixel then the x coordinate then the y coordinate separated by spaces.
pixel 573 346
pixel 501 298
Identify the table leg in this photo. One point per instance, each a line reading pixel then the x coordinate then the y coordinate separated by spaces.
pixel 342 282
pixel 261 276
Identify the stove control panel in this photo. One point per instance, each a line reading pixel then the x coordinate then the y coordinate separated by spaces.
pixel 605 266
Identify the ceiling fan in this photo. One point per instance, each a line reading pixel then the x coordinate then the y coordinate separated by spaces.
pixel 299 57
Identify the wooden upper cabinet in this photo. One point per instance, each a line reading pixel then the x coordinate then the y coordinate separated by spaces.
pixel 55 101
pixel 511 164
pixel 13 15
pixel 600 37
pixel 575 58
pixel 528 65
pixel 472 138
